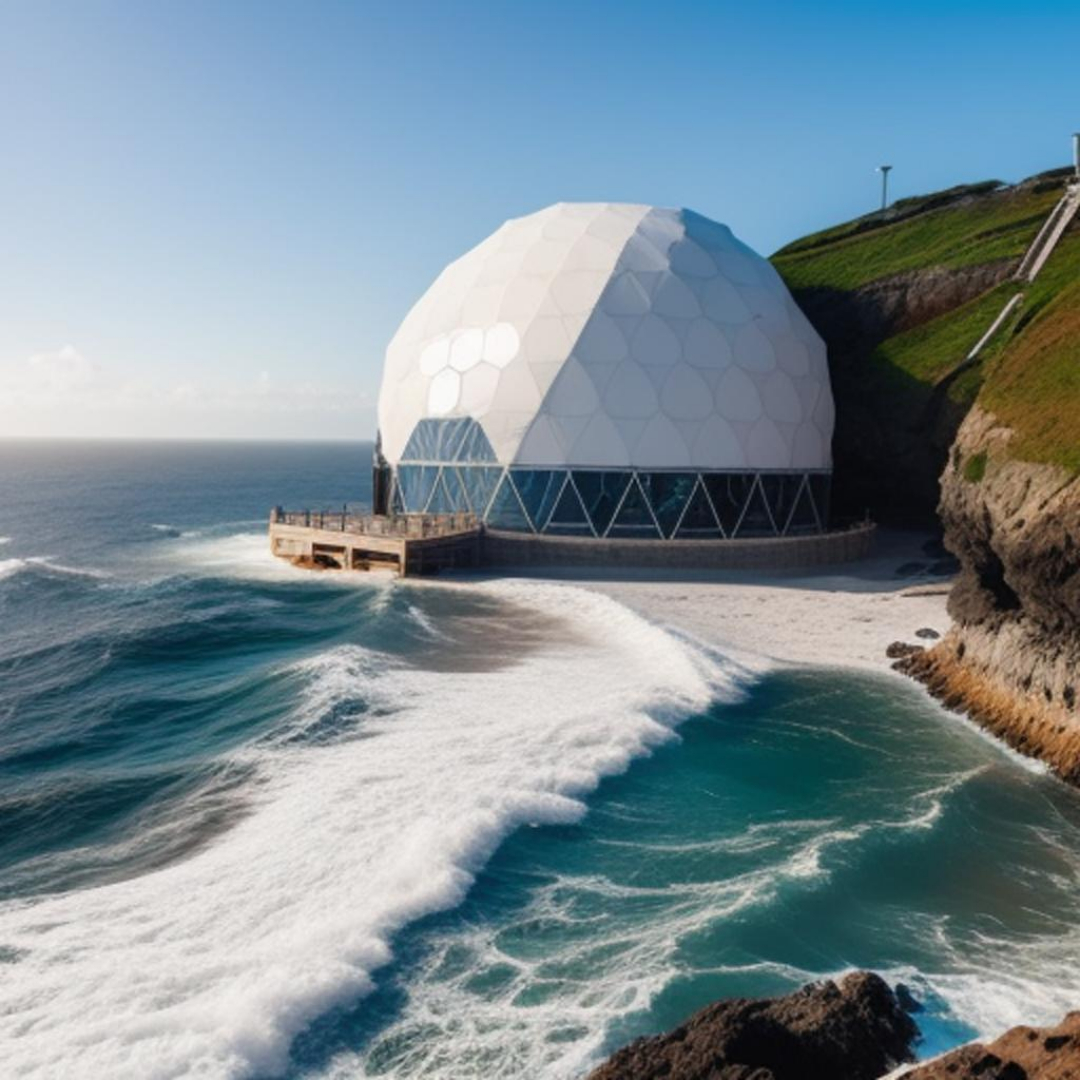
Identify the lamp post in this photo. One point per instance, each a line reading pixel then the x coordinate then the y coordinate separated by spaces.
pixel 884 170
pixel 1076 154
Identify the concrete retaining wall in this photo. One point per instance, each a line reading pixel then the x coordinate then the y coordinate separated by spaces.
pixel 764 553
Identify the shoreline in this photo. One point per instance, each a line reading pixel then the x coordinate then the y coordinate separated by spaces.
pixel 839 617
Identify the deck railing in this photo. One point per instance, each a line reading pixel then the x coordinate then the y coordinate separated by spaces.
pixel 406 525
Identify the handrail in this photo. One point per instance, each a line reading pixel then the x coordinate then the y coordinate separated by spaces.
pixel 1048 236
pixel 397 525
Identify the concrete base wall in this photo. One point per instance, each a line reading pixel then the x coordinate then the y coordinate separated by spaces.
pixel 764 553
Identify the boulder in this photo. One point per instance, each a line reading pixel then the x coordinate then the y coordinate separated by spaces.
pixel 1022 1053
pixel 853 1029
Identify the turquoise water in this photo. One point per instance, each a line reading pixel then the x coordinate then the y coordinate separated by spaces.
pixel 260 823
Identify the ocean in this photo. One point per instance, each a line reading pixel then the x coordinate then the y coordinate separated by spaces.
pixel 262 823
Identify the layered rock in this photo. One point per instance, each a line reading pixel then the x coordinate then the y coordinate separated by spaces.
pixel 1022 1053
pixel 1012 659
pixel 854 1028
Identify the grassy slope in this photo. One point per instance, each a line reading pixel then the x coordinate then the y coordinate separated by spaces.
pixel 980 231
pixel 1033 383
pixel 1030 374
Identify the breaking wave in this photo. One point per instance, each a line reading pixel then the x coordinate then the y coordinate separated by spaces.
pixel 375 803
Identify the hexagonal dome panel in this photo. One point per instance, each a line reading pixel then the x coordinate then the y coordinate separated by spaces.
pixel 614 336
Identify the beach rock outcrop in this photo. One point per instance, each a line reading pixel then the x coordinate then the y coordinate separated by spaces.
pixel 854 1028
pixel 898 650
pixel 1022 1053
pixel 1012 658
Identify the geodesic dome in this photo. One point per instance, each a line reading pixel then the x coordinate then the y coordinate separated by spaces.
pixel 616 339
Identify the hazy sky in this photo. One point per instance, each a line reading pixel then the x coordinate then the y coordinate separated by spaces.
pixel 213 215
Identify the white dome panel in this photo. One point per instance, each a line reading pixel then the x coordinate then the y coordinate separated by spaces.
pixel 655 342
pixel 501 344
pixel 478 389
pixel 717 446
pixel 806 448
pixel 753 349
pixel 736 396
pixel 629 392
pixel 780 400
pixel 673 297
pixel 466 349
pixel 600 444
pixel 661 446
pixel 686 395
pixel 767 446
pixel 443 393
pixel 706 346
pixel 626 335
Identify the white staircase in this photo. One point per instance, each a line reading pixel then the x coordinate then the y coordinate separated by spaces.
pixel 1042 247
pixel 1055 225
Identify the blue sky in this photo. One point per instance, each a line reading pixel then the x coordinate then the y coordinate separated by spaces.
pixel 214 214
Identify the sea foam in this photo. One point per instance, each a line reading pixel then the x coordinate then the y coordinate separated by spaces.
pixel 212 966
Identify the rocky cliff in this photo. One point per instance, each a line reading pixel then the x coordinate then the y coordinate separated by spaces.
pixel 990 450
pixel 1012 659
pixel 1022 1053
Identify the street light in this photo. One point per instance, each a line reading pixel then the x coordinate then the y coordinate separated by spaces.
pixel 884 170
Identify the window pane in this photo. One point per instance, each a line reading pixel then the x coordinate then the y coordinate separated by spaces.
pixel 474 445
pixel 756 520
pixel 729 492
pixel 416 483
pixel 803 520
pixel 456 488
pixel 600 494
pixel 505 511
pixel 634 519
pixel 441 501
pixel 699 521
pixel 668 494
pixel 538 488
pixel 820 489
pixel 781 490
pixel 568 517
pixel 480 482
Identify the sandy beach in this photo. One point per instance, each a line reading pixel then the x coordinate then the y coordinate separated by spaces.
pixel 843 616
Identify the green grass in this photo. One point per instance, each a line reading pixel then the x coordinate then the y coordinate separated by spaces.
pixel 929 351
pixel 975 467
pixel 1033 384
pixel 980 230
pixel 1029 374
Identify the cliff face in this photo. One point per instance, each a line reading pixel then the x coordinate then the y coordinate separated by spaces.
pixel 1012 659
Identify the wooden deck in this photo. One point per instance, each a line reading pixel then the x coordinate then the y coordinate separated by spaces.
pixel 407 544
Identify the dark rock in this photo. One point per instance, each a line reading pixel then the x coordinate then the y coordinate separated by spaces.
pixel 899 649
pixel 1023 1053
pixel 928 633
pixel 853 1029
pixel 906 999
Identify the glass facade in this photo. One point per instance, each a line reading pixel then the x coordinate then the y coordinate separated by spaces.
pixel 449 467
